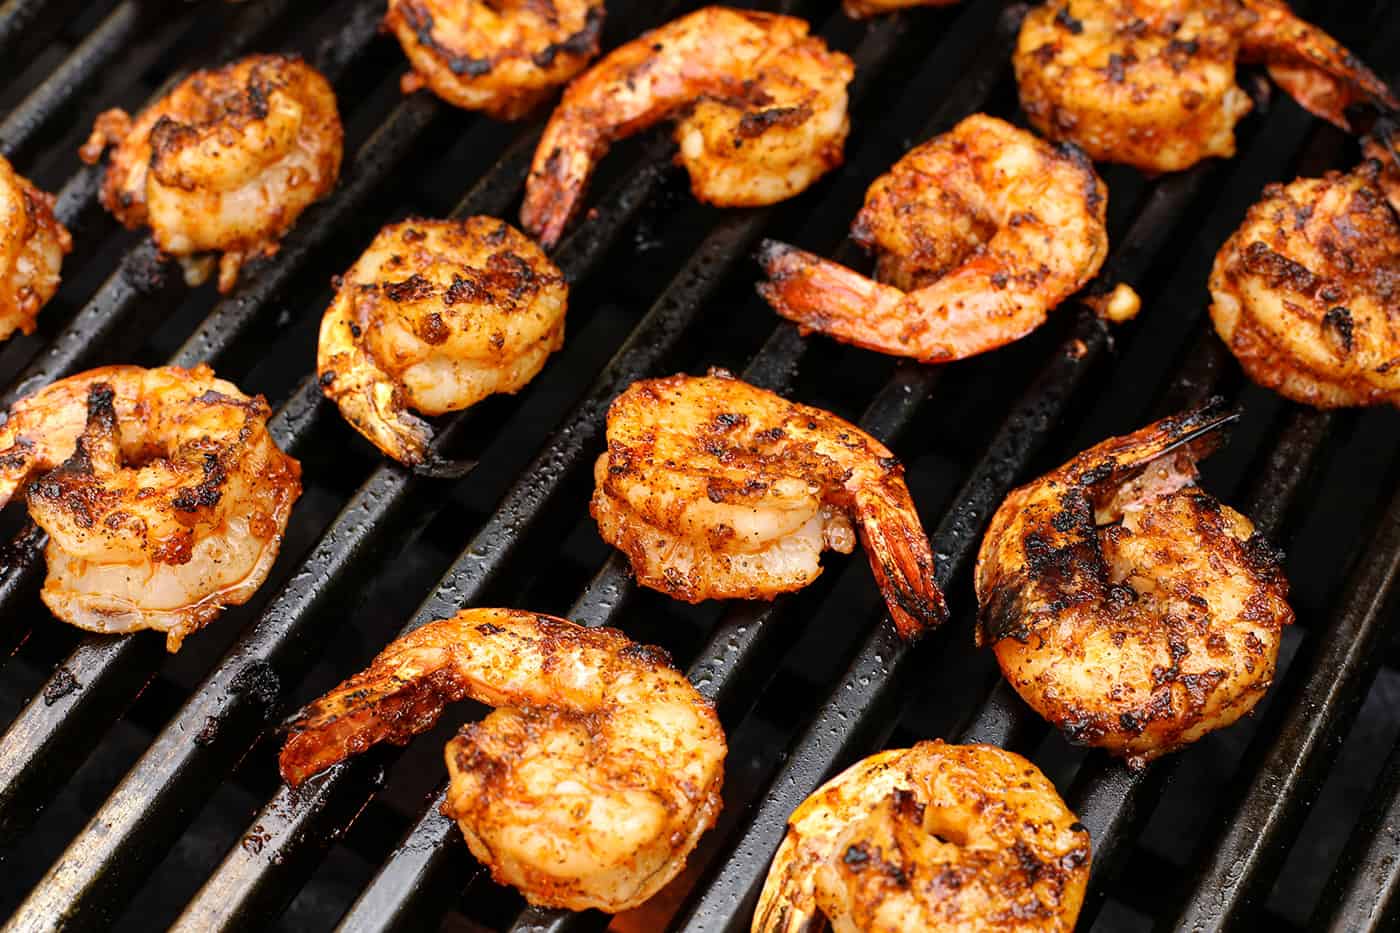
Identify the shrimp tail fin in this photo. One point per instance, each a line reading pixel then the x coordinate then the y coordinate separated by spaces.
pixel 1312 67
pixel 902 561
pixel 825 296
pixel 365 710
pixel 1198 432
pixel 373 407
pixel 787 903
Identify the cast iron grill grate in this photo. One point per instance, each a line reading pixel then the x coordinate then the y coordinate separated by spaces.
pixel 139 790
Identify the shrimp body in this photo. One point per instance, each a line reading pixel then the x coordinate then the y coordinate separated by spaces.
pixel 934 837
pixel 589 784
pixel 1125 604
pixel 766 102
pixel 718 490
pixel 32 246
pixel 1306 293
pixel 164 497
pixel 1151 83
pixel 435 316
pixel 979 232
pixel 502 58
pixel 224 163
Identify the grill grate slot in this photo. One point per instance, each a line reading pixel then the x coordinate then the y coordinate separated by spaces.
pixel 237 700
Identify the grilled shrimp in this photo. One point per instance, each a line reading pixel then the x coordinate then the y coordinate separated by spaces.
pixel 979 232
pixel 715 489
pixel 224 163
pixel 1125 604
pixel 503 58
pixel 762 110
pixel 32 246
pixel 1151 83
pixel 589 784
pixel 1306 293
pixel 435 316
pixel 934 837
pixel 164 497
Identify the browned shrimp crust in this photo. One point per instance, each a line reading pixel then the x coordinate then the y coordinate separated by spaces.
pixel 503 58
pixel 1306 293
pixel 589 784
pixel 32 246
pixel 979 232
pixel 1125 604
pixel 760 104
pixel 934 837
pixel 433 317
pixel 716 489
pixel 225 163
pixel 1151 83
pixel 164 496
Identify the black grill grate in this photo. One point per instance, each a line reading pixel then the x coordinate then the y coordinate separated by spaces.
pixel 168 809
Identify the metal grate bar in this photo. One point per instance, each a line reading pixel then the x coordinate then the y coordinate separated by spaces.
pixel 141 281
pixel 1363 892
pixel 111 670
pixel 743 642
pixel 859 709
pixel 105 860
pixel 1247 853
pixel 15 17
pixel 72 78
pixel 285 819
pixel 139 277
pixel 1112 800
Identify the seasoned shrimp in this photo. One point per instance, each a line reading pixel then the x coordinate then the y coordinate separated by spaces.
pixel 762 109
pixel 164 497
pixel 1151 83
pixel 435 316
pixel 934 837
pixel 590 783
pixel 980 233
pixel 717 490
pixel 1126 605
pixel 1306 293
pixel 32 246
pixel 502 57
pixel 224 163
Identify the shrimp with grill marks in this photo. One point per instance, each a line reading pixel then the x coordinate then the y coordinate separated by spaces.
pixel 715 489
pixel 980 233
pixel 934 837
pixel 225 163
pixel 503 58
pixel 32 246
pixel 1151 83
pixel 590 783
pixel 1125 604
pixel 1306 293
pixel 435 316
pixel 164 497
pixel 761 108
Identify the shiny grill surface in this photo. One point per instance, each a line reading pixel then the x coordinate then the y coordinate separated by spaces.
pixel 139 790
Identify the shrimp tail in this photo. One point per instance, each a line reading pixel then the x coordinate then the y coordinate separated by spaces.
pixel 1312 67
pixel 361 713
pixel 825 296
pixel 555 189
pixel 1198 431
pixel 788 904
pixel 901 560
